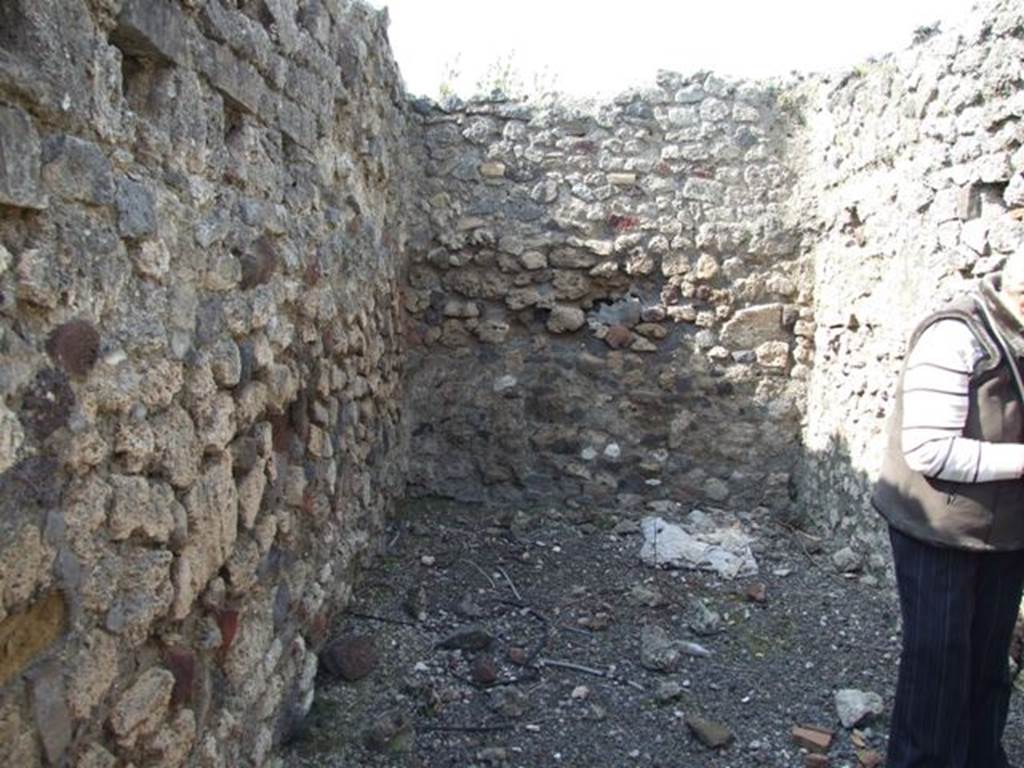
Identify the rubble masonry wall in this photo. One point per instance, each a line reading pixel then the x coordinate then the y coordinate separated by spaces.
pixel 200 347
pixel 910 169
pixel 609 301
pixel 249 294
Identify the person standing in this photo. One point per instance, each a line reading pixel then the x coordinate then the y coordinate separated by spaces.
pixel 951 491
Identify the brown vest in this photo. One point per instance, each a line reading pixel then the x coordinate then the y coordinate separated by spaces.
pixel 976 516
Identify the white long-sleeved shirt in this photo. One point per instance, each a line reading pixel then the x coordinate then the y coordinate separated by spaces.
pixel 935 403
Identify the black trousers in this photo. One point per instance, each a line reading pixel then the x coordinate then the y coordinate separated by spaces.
pixel 953 692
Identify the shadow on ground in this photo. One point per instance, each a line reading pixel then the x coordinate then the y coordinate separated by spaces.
pixel 560 599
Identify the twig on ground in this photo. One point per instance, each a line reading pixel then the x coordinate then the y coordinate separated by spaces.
pixel 590 671
pixel 576 630
pixel 511 584
pixel 385 619
pixel 542 643
pixel 794 534
pixel 468 728
pixel 482 572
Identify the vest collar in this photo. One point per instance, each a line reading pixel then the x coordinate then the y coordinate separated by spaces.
pixel 1009 326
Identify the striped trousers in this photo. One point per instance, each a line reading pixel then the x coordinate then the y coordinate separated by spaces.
pixel 953 691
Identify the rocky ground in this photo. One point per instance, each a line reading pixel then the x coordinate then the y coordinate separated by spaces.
pixel 539 639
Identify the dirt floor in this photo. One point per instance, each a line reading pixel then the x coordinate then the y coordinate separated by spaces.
pixel 507 638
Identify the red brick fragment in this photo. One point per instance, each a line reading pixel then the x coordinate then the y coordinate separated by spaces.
pixel 182 663
pixel 227 620
pixel 812 737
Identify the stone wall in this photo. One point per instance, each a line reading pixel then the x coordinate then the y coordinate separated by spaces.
pixel 606 299
pixel 910 167
pixel 201 234
pixel 248 291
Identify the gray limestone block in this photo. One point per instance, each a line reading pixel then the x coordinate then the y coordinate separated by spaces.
pixel 136 210
pixel 19 160
pixel 49 707
pixel 77 169
pixel 237 80
pixel 296 122
pixel 153 29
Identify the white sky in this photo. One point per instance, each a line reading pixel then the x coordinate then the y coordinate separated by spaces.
pixel 588 47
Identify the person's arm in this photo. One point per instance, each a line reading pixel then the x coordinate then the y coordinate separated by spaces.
pixel 935 403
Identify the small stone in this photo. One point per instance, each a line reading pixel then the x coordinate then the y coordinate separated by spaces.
pixel 622 179
pixel 19 160
pixel 46 684
pixel 856 707
pixel 773 354
pixel 95 756
pixel 667 692
pixel 428 560
pixel 350 658
pixel 618 336
pixel 716 490
pixel 472 638
pixel 815 761
pixel 869 758
pixel 650 597
pixel 757 592
pixel 706 267
pixel 492 170
pixel 484 669
pixel 566 319
pixel 392 733
pixel 77 169
pixel 136 210
pixel 492 755
pixel 469 608
pixel 704 621
pixel 142 708
pixel 74 346
pixel 709 733
pixel 579 693
pixel 518 656
pixel 415 602
pixel 533 260
pixel 509 702
pixel 658 652
pixel 598 622
pixel 847 561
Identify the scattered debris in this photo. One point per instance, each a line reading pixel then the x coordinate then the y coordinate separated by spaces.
pixel 489 679
pixel 392 733
pixel 473 638
pixel 870 758
pixel 847 561
pixel 711 734
pixel 658 652
pixel 509 702
pixel 693 649
pixel 757 592
pixel 350 658
pixel 704 621
pixel 724 550
pixel 415 603
pixel 484 669
pixel 856 707
pixel 599 622
pixel 647 596
pixel 813 738
pixel 668 691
